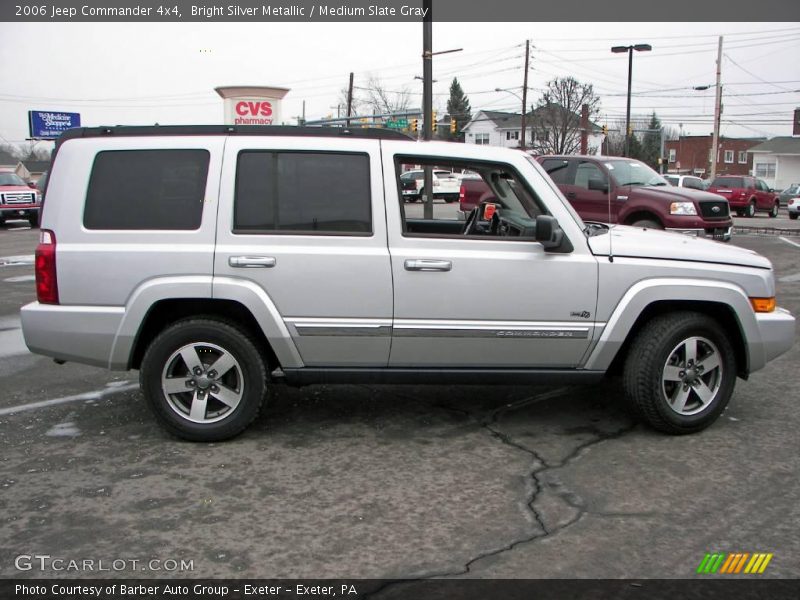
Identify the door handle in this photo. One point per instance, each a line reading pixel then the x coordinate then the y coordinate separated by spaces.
pixel 423 264
pixel 252 262
pixel 570 194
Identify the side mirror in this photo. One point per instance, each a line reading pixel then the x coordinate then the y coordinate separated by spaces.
pixel 548 233
pixel 31 185
pixel 598 185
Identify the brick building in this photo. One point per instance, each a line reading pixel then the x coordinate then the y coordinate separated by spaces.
pixel 691 154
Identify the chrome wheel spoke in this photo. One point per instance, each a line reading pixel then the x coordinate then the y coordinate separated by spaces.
pixel 223 364
pixel 679 398
pixel 174 385
pixel 709 363
pixel 198 409
pixel 227 396
pixel 703 392
pixel 191 358
pixel 690 347
pixel 672 373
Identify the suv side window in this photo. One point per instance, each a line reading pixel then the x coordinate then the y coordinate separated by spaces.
pixel 302 193
pixel 146 189
pixel 587 171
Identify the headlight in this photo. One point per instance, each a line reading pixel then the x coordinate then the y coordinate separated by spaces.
pixel 682 208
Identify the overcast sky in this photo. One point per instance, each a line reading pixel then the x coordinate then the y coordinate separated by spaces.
pixel 134 73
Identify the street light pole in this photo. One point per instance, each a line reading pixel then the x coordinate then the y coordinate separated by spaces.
pixel 521 98
pixel 629 50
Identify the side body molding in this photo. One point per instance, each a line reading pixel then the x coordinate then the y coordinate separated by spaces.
pixel 646 292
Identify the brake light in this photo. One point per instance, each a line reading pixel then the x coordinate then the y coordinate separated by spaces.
pixel 461 193
pixel 46 280
pixel 763 305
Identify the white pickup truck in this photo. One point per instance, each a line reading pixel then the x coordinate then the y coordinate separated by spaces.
pixel 446 185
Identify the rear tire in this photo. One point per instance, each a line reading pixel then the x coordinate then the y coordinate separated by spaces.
pixel 189 397
pixel 34 220
pixel 680 372
pixel 793 216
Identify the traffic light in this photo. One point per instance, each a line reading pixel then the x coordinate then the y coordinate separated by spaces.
pixel 630 129
pixel 414 125
pixel 453 126
pixel 434 124
pixel 605 129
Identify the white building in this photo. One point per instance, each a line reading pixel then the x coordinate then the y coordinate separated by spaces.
pixel 777 161
pixel 504 129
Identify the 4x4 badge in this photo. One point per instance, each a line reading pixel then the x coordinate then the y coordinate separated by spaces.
pixel 584 314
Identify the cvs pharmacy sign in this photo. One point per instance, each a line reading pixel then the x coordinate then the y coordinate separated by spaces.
pixel 253 112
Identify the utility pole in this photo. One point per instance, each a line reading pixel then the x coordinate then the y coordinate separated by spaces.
pixel 350 100
pixel 717 113
pixel 584 129
pixel 427 99
pixel 525 92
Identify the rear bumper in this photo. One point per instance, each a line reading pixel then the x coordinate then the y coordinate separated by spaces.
pixel 84 334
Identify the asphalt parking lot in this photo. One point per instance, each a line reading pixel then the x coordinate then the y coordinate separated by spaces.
pixel 394 481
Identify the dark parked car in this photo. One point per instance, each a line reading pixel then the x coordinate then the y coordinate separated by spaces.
pixel 626 191
pixel 791 191
pixel 746 195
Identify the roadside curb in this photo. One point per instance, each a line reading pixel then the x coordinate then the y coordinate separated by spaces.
pixel 777 231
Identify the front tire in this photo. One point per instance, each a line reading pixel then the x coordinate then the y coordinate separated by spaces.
pixel 774 211
pixel 647 224
pixel 204 379
pixel 680 372
pixel 751 209
pixel 793 216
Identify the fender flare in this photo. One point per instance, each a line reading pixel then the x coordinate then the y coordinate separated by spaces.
pixel 644 293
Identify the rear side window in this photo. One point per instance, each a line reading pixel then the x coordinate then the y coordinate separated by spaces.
pixel 302 192
pixel 146 189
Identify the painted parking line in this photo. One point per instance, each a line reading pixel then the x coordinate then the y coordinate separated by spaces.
pixel 795 244
pixel 16 261
pixel 20 279
pixel 111 388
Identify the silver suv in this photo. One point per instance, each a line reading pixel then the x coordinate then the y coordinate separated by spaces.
pixel 220 261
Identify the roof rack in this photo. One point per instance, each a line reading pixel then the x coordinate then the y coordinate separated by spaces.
pixel 373 133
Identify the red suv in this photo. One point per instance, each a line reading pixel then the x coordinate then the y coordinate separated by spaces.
pixel 610 189
pixel 746 195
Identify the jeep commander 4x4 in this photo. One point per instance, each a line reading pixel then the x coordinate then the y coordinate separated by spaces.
pixel 222 260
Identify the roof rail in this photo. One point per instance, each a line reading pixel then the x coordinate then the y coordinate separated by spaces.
pixel 373 133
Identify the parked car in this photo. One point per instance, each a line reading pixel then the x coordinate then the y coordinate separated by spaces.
pixel 793 207
pixel 688 181
pixel 239 273
pixel 610 189
pixel 445 185
pixel 473 191
pixel 792 191
pixel 746 195
pixel 41 184
pixel 17 199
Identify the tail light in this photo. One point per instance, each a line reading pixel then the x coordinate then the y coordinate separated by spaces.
pixel 46 280
pixel 462 193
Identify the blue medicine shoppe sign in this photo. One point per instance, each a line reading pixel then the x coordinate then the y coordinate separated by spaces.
pixel 48 125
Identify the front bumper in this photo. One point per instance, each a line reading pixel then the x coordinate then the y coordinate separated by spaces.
pixel 715 233
pixel 777 331
pixel 13 211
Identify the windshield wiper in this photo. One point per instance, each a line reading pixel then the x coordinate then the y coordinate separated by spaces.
pixel 593 229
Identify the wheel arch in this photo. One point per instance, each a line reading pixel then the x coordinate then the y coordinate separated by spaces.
pixel 642 214
pixel 725 302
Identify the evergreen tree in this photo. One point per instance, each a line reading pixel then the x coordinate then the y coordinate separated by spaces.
pixel 651 142
pixel 457 108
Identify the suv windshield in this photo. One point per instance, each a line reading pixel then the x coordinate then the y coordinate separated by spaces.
pixel 10 179
pixel 633 172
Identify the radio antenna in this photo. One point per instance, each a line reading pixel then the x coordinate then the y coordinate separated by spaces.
pixel 610 228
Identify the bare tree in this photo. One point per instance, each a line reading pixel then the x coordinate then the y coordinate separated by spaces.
pixel 557 117
pixel 382 100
